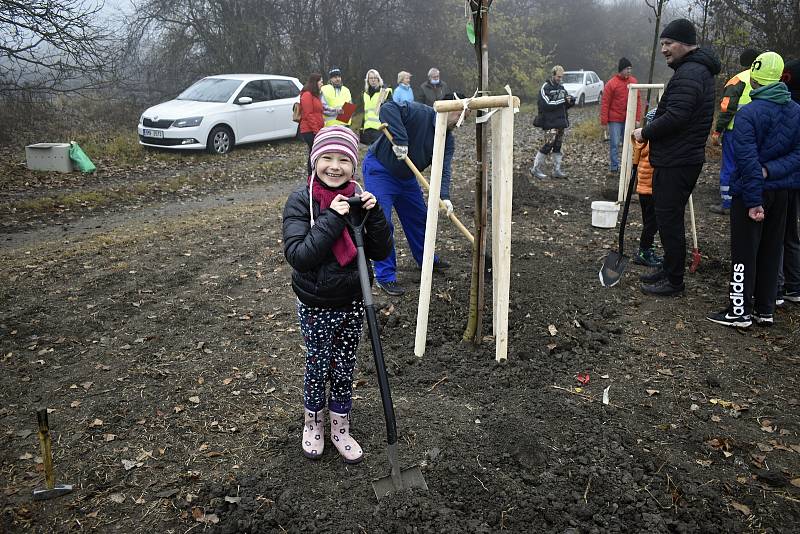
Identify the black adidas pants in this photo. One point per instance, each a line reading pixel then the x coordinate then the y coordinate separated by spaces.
pixel 755 254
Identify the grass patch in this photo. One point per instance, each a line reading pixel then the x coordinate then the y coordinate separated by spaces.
pixel 121 148
pixel 588 130
pixel 102 197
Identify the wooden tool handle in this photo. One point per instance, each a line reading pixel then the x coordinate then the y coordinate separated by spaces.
pixel 424 184
pixel 44 442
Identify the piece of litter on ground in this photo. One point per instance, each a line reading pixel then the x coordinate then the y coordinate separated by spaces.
pixel 559 212
pixel 605 394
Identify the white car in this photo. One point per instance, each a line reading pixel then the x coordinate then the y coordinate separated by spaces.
pixel 583 85
pixel 221 111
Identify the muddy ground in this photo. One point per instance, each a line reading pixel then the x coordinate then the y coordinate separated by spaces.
pixel 158 327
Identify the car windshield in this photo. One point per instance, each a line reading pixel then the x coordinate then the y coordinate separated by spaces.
pixel 572 77
pixel 211 90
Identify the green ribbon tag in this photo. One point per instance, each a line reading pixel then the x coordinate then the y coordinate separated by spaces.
pixel 470 32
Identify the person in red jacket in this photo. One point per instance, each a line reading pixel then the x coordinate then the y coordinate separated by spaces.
pixel 613 110
pixel 311 120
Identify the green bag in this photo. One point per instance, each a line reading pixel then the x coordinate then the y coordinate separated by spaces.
pixel 79 158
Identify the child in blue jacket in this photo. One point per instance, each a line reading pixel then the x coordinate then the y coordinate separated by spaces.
pixel 766 141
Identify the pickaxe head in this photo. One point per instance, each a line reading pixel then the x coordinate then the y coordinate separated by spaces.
pixel 57 491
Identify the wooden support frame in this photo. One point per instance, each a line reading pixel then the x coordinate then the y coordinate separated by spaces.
pixel 626 158
pixel 502 192
pixel 502 189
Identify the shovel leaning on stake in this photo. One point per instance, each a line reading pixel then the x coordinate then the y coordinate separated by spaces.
pixel 426 187
pixel 51 490
pixel 616 261
pixel 398 478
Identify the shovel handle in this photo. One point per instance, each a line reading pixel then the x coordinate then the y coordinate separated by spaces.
pixel 44 443
pixel 694 226
pixel 425 186
pixel 375 340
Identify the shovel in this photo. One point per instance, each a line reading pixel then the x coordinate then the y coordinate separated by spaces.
pixel 695 251
pixel 51 489
pixel 398 478
pixel 615 263
pixel 426 187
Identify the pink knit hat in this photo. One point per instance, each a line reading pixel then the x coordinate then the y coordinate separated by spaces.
pixel 335 139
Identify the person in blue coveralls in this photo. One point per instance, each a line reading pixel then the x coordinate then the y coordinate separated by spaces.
pixel 393 183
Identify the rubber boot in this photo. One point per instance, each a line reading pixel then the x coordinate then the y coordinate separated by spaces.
pixel 557 166
pixel 313 434
pixel 348 447
pixel 537 170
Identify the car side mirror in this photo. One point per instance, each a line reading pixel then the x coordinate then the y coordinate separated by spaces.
pixel 242 100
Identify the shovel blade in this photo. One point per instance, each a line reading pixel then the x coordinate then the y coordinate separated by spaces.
pixel 410 478
pixel 612 269
pixel 57 491
pixel 695 260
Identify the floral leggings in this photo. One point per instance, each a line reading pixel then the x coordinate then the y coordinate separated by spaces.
pixel 331 336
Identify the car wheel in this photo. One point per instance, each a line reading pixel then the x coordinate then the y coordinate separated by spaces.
pixel 582 101
pixel 220 140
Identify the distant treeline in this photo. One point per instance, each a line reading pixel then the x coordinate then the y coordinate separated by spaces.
pixel 164 45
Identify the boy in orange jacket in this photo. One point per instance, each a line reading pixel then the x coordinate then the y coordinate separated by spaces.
pixel 644 187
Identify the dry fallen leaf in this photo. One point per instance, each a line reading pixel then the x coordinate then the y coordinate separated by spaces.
pixel 195 399
pixel 651 392
pixel 665 372
pixel 763 447
pixel 767 426
pixel 95 423
pixel 74 404
pixel 26 456
pixel 795 482
pixel 202 517
pixel 227 381
pixel 716 418
pixel 86 385
pixel 704 463
pixel 741 507
pixel 130 464
pixel 117 498
pixel 109 437
pixel 552 329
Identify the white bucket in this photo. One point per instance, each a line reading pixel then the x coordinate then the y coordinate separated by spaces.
pixel 604 214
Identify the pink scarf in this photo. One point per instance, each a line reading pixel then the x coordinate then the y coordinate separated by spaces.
pixel 344 249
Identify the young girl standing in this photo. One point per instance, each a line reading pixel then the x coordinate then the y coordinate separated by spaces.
pixel 319 246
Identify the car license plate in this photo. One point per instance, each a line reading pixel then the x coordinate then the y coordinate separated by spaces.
pixel 152 133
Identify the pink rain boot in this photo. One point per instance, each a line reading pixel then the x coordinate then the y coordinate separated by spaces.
pixel 348 448
pixel 314 434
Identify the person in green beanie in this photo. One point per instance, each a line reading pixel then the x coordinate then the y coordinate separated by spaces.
pixel 766 143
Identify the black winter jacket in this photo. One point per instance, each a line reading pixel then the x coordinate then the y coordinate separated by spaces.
pixel 317 278
pixel 554 101
pixel 679 131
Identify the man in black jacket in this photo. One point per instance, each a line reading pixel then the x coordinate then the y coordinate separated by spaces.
pixel 677 138
pixel 554 101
